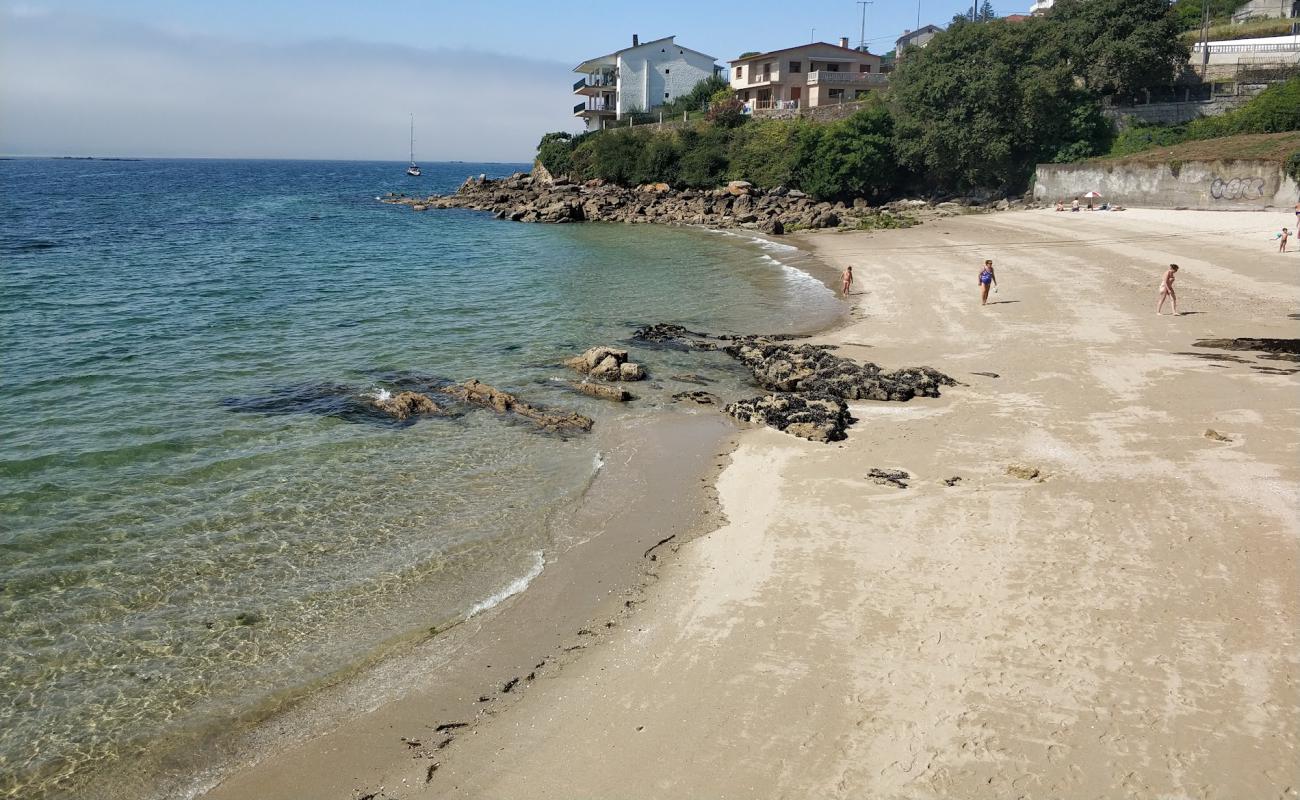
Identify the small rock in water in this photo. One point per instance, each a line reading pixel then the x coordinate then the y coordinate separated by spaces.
pixel 691 377
pixel 889 477
pixel 607 363
pixel 599 390
pixel 405 404
pixel 697 396
pixel 1211 433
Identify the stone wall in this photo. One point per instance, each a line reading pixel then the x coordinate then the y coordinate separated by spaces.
pixel 827 113
pixel 1218 185
pixel 1174 113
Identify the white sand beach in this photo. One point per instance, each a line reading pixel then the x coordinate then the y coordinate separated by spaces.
pixel 1123 625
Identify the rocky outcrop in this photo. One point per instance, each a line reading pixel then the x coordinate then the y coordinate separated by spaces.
pixel 814 369
pixel 405 404
pixel 477 393
pixel 812 417
pixel 803 378
pixel 603 391
pixel 531 198
pixel 607 364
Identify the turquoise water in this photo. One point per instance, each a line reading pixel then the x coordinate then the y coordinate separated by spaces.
pixel 193 524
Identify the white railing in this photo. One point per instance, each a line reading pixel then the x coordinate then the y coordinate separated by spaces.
pixel 851 78
pixel 769 105
pixel 1230 47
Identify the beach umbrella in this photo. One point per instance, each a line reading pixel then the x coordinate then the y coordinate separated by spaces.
pixel 1093 194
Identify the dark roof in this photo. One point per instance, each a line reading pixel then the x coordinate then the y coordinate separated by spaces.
pixel 798 47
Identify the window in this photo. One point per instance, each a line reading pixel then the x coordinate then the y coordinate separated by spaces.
pixel 665 95
pixel 864 68
pixel 666 71
pixel 738 69
pixel 796 66
pixel 837 94
pixel 832 67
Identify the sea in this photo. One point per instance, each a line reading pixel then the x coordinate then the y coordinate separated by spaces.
pixel 200 514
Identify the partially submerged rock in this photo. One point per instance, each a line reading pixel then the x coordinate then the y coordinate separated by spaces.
pixel 477 393
pixel 816 418
pixel 697 396
pixel 607 364
pixel 602 391
pixel 405 404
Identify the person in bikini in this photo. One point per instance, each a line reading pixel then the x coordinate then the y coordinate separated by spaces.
pixel 987 278
pixel 1167 289
pixel 1283 236
pixel 847 280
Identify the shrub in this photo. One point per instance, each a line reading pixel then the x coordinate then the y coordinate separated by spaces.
pixel 1274 110
pixel 851 158
pixel 704 158
pixel 766 152
pixel 555 152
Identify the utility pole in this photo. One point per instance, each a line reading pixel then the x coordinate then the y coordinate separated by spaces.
pixel 862 34
pixel 812 34
pixel 918 14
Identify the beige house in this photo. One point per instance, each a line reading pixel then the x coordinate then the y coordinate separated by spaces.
pixel 806 76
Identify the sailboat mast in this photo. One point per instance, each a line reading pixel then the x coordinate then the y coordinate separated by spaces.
pixel 412 137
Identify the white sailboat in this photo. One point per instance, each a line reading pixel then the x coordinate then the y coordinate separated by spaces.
pixel 414 169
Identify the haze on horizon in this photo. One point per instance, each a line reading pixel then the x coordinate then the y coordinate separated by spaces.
pixel 146 78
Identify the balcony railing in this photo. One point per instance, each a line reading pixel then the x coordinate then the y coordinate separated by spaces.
pixel 595 106
pixel 769 105
pixel 848 78
pixel 758 78
pixel 602 80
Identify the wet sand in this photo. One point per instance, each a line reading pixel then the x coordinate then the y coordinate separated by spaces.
pixel 1122 625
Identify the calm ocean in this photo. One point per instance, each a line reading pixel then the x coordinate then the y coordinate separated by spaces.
pixel 193 521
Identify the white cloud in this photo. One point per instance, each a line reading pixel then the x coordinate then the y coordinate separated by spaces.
pixel 84 86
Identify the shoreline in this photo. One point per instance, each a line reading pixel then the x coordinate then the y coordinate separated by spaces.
pixel 1122 624
pixel 615 560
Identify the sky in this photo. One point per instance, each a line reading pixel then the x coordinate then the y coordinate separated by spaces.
pixel 338 78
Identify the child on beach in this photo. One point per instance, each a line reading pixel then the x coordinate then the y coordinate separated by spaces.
pixel 987 277
pixel 1167 289
pixel 1284 236
pixel 1074 204
pixel 847 280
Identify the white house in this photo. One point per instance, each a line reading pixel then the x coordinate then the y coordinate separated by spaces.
pixel 637 78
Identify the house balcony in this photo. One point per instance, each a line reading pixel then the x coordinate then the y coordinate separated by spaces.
pixel 596 83
pixel 763 78
pixel 594 108
pixel 855 80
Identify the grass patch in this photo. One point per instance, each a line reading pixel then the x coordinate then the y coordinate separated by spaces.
pixel 1276 147
pixel 1254 29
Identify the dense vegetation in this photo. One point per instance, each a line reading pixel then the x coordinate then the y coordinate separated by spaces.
pixel 1274 110
pixel 977 108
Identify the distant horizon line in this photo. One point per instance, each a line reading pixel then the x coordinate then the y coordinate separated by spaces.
pixel 14 157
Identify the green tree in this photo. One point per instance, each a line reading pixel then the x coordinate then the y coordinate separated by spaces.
pixel 982 104
pixel 697 98
pixel 766 152
pixel 555 151
pixel 987 14
pixel 704 157
pixel 659 160
pixel 851 158
pixel 1118 46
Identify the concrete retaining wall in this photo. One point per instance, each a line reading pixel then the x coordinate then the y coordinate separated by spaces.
pixel 1218 185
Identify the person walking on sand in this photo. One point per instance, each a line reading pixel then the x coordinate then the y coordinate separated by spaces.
pixel 1284 236
pixel 987 278
pixel 1074 204
pixel 1167 289
pixel 846 280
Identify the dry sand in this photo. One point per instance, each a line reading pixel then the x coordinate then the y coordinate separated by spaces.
pixel 1124 626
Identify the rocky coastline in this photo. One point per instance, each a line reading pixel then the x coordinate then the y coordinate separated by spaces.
pixel 523 197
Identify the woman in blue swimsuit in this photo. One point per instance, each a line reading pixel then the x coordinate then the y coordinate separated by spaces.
pixel 987 278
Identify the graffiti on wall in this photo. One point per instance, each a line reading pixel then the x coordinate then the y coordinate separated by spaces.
pixel 1236 188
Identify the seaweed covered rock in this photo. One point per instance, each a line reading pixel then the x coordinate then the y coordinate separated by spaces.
pixel 675 335
pixel 814 369
pixel 816 418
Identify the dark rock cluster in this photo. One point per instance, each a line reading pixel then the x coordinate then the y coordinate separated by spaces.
pixel 809 382
pixel 818 418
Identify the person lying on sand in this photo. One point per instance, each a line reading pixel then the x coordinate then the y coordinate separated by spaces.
pixel 987 277
pixel 847 280
pixel 1167 289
